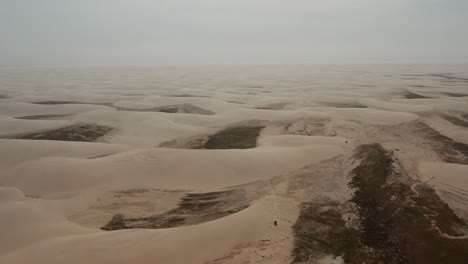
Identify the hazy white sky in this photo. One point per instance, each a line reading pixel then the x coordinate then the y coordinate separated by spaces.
pixel 161 32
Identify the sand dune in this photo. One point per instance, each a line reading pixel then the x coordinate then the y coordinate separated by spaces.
pixel 274 167
pixel 450 181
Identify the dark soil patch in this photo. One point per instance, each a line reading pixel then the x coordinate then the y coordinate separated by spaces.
pixel 78 132
pixel 182 108
pixel 236 137
pixel 456 94
pixel 193 209
pixel 449 149
pixel 43 117
pixel 458 121
pixel 410 95
pixel 346 105
pixel 4 97
pixel 70 102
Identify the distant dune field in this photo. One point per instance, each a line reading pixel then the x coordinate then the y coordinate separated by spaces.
pixel 293 164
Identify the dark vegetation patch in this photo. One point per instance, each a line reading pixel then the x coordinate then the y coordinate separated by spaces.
pixel 456 94
pixel 346 105
pixel 78 132
pixel 411 95
pixel 234 137
pixel 458 121
pixel 180 108
pixel 394 223
pixel 193 209
pixel 43 117
pixel 71 102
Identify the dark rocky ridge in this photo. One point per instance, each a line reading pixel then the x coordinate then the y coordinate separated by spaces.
pixel 346 105
pixel 395 224
pixel 71 102
pixel 411 95
pixel 42 117
pixel 458 121
pixel 236 137
pixel 456 94
pixel 77 132
pixel 449 149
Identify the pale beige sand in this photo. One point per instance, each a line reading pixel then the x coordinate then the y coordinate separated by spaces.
pixel 54 196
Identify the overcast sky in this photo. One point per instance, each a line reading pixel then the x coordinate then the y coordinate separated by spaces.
pixel 172 32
